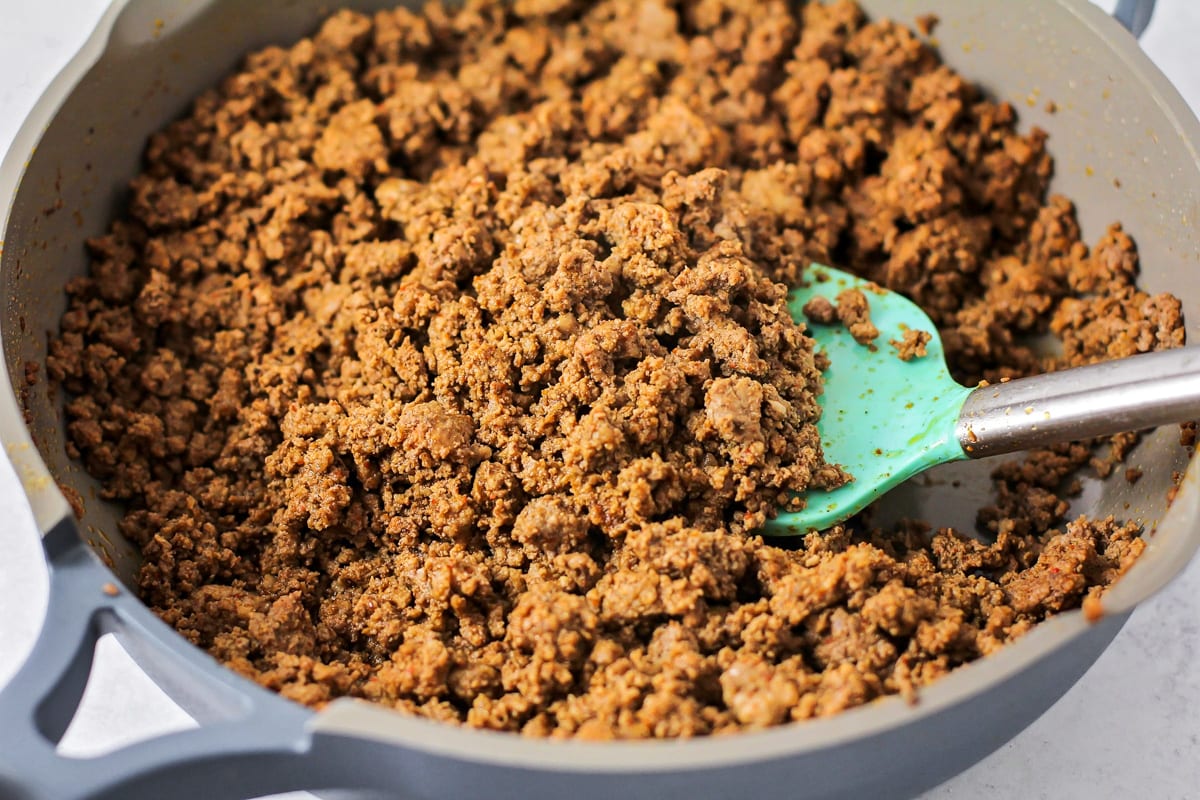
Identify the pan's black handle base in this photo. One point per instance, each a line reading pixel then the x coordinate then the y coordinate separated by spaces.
pixel 250 742
pixel 1134 15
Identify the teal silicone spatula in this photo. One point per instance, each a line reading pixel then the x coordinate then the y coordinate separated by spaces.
pixel 885 420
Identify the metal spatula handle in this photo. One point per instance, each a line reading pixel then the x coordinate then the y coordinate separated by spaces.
pixel 1133 393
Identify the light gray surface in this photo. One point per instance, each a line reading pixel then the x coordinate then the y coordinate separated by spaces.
pixel 1132 725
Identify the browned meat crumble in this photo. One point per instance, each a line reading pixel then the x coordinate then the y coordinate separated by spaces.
pixel 911 344
pixel 854 312
pixel 441 360
pixel 820 311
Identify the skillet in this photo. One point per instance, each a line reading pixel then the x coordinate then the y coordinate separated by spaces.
pixel 1118 118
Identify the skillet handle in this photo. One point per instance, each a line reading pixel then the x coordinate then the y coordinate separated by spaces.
pixel 253 743
pixel 1134 15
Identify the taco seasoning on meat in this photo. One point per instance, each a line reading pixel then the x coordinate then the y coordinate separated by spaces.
pixel 442 359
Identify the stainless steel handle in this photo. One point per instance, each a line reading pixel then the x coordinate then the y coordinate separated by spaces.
pixel 1124 395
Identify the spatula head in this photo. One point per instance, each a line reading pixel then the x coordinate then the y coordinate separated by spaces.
pixel 883 419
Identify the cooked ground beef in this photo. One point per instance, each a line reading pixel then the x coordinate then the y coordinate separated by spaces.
pixel 912 344
pixel 854 312
pixel 820 311
pixel 851 309
pixel 441 359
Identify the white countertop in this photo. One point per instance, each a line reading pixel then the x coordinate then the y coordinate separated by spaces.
pixel 1129 728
